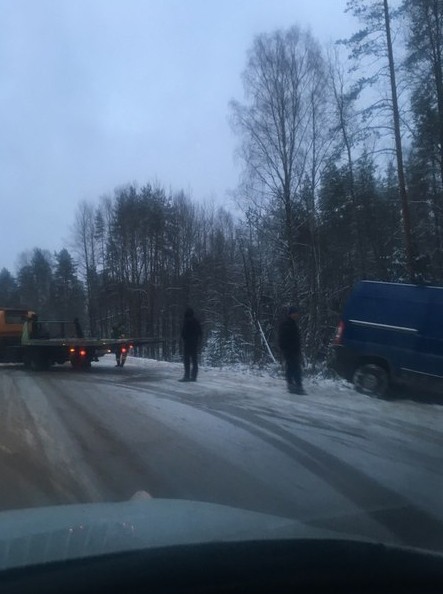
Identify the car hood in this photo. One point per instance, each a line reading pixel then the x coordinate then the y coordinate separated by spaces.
pixel 47 534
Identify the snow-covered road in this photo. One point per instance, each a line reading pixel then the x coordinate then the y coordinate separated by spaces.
pixel 333 459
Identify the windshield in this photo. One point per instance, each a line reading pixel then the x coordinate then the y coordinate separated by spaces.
pixel 222 236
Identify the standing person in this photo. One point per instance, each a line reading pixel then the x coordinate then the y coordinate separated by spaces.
pixel 191 335
pixel 117 332
pixel 34 331
pixel 289 341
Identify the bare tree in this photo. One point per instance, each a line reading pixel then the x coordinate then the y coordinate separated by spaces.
pixel 85 245
pixel 344 95
pixel 277 127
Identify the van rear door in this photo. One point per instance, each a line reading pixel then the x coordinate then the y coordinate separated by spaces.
pixel 429 352
pixel 383 321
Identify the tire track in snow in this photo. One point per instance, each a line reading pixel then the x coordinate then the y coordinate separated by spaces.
pixel 412 525
pixel 406 521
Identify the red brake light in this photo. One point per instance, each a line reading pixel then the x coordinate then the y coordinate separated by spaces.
pixel 83 353
pixel 124 350
pixel 339 333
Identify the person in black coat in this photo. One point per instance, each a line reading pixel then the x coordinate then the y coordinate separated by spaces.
pixel 191 335
pixel 289 341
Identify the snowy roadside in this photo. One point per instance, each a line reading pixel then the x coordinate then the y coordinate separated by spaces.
pixel 332 401
pixel 395 443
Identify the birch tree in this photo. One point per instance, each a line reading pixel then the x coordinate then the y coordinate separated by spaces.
pixel 277 128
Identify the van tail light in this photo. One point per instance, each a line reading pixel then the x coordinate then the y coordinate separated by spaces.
pixel 83 353
pixel 339 332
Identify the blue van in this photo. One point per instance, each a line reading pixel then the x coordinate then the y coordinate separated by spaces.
pixel 391 333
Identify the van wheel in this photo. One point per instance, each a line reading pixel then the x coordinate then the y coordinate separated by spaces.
pixel 371 379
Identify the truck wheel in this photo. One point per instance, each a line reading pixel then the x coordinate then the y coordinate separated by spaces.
pixel 78 363
pixel 371 379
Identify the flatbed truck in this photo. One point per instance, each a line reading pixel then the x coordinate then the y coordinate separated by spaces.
pixel 40 344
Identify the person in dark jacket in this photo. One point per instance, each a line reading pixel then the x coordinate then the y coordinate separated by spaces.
pixel 290 345
pixel 191 335
pixel 120 357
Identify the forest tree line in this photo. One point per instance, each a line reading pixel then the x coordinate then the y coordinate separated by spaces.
pixel 342 180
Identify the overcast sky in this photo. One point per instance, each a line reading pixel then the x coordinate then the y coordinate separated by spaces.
pixel 99 93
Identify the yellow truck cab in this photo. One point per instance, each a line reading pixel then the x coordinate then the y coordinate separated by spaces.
pixel 11 327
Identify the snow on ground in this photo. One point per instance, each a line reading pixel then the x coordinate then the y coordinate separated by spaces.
pixel 396 443
pixel 330 400
pixel 331 452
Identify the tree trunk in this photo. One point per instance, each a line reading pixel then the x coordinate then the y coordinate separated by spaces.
pixel 399 152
